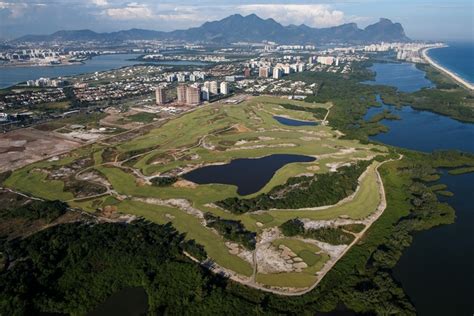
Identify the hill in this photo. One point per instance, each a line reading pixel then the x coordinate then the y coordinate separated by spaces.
pixel 238 28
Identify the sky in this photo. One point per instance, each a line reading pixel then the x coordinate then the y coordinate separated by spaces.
pixel 424 20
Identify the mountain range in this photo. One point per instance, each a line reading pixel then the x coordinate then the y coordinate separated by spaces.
pixel 238 28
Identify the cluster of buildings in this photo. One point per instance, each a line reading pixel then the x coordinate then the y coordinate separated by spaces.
pixel 186 76
pixel 111 91
pixel 201 58
pixel 31 98
pixel 45 82
pixel 193 94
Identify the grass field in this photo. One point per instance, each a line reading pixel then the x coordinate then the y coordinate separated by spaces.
pixel 217 134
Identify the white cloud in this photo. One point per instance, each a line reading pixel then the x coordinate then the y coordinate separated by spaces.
pixel 133 11
pixel 317 15
pixel 99 3
pixel 15 10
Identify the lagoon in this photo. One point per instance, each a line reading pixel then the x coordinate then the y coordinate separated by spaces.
pixel 422 130
pixel 403 76
pixel 436 269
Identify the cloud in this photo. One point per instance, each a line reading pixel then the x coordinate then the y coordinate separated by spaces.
pixel 14 10
pixel 318 15
pixel 133 11
pixel 99 3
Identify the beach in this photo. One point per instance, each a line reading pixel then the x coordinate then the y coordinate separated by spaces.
pixel 451 74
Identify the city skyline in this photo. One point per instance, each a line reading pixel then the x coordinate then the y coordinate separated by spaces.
pixel 420 19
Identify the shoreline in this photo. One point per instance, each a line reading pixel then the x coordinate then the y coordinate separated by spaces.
pixel 452 75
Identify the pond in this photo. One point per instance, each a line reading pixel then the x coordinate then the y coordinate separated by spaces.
pixel 293 122
pixel 404 76
pixel 248 174
pixel 131 301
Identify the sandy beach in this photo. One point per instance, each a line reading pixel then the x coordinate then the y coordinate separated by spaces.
pixel 454 76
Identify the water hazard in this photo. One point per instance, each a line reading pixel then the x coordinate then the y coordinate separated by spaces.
pixel 249 175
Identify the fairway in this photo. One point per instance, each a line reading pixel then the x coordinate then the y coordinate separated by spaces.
pixel 216 134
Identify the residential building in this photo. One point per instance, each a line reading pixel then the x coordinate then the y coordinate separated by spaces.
pixel 213 88
pixel 205 94
pixel 181 93
pixel 264 72
pixel 277 73
pixel 160 95
pixel 193 95
pixel 225 88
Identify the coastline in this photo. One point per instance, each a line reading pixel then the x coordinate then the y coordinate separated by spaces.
pixel 452 75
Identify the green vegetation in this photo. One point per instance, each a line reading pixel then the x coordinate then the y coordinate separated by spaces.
pixel 292 227
pixel 354 228
pixel 445 193
pixel 73 267
pixel 232 230
pixel 438 187
pixel 142 117
pixel 301 192
pixel 163 181
pixel 330 235
pixel 33 210
pixel 463 170
pixel 318 113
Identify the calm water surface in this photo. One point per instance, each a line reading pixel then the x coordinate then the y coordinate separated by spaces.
pixel 437 270
pixel 249 175
pixel 292 122
pixel 423 131
pixel 404 76
pixel 10 76
pixel 458 57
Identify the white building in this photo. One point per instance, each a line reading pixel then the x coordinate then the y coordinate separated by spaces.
pixel 213 88
pixel 225 88
pixel 277 73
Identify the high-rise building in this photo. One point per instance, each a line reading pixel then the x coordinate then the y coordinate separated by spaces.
pixel 247 72
pixel 224 88
pixel 277 73
pixel 181 93
pixel 213 88
pixel 205 94
pixel 287 69
pixel 193 95
pixel 181 77
pixel 264 72
pixel 325 60
pixel 160 95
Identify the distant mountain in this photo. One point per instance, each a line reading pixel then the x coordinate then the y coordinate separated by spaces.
pixel 238 28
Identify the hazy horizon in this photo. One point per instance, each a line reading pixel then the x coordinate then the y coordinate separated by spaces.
pixel 420 19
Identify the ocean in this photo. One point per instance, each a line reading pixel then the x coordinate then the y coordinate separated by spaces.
pixel 458 57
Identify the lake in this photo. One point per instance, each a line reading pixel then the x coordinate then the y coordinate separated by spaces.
pixel 292 122
pixel 10 76
pixel 404 76
pixel 248 174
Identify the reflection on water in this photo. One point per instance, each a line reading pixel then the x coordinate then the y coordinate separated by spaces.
pixel 249 175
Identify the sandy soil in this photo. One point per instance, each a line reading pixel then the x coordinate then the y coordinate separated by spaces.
pixel 27 145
